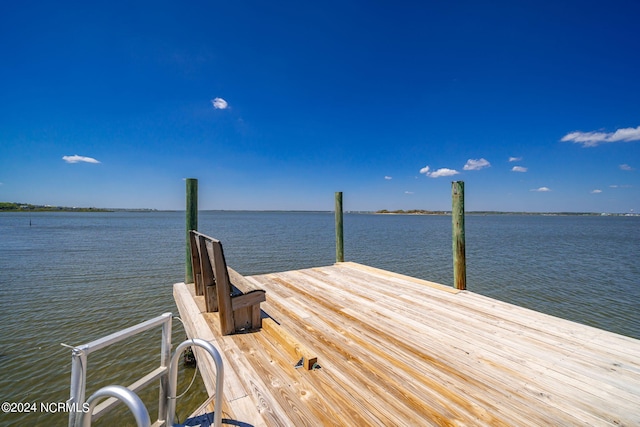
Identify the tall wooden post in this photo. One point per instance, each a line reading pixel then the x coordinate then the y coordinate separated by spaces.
pixel 339 229
pixel 458 240
pixel 192 223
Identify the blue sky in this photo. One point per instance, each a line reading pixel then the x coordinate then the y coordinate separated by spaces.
pixel 276 105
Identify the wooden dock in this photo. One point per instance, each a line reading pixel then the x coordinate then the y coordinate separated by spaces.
pixel 394 350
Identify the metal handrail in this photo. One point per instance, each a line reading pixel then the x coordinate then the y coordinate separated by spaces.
pixel 123 394
pixel 173 379
pixel 79 366
pixel 167 373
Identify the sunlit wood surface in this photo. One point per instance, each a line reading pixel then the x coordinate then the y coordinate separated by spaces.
pixel 394 350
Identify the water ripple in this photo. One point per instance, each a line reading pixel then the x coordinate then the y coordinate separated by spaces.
pixel 74 277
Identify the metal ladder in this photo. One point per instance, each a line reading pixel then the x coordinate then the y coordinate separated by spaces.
pixel 82 414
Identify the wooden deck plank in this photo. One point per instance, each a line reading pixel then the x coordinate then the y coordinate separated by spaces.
pixel 338 360
pixel 389 340
pixel 396 350
pixel 361 343
pixel 568 345
pixel 553 369
pixel 539 373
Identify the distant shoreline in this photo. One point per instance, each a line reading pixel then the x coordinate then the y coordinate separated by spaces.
pixel 27 207
pixel 412 212
pixel 448 213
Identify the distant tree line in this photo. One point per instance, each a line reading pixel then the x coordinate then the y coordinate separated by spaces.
pixel 427 212
pixel 26 207
pixel 413 212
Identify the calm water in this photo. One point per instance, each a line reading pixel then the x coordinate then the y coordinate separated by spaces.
pixel 74 277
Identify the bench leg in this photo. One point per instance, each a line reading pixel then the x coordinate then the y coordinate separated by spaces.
pixel 247 318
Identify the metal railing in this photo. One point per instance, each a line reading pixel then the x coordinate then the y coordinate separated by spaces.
pixel 79 370
pixel 123 394
pixel 173 379
pixel 167 374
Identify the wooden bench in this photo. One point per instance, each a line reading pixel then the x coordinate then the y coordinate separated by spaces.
pixel 226 291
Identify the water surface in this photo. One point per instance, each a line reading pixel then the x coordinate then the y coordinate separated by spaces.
pixel 74 277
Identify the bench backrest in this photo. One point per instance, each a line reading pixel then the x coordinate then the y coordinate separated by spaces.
pixel 238 303
pixel 210 271
pixel 203 271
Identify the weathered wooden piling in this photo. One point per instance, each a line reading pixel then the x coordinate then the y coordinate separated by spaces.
pixel 339 229
pixel 458 239
pixel 192 223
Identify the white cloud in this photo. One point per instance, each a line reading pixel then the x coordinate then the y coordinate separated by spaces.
pixel 541 189
pixel 626 167
pixel 593 139
pixel 387 177
pixel 596 191
pixel 443 172
pixel 515 159
pixel 476 164
pixel 408 192
pixel 219 104
pixel 438 173
pixel 76 159
pixel 519 169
